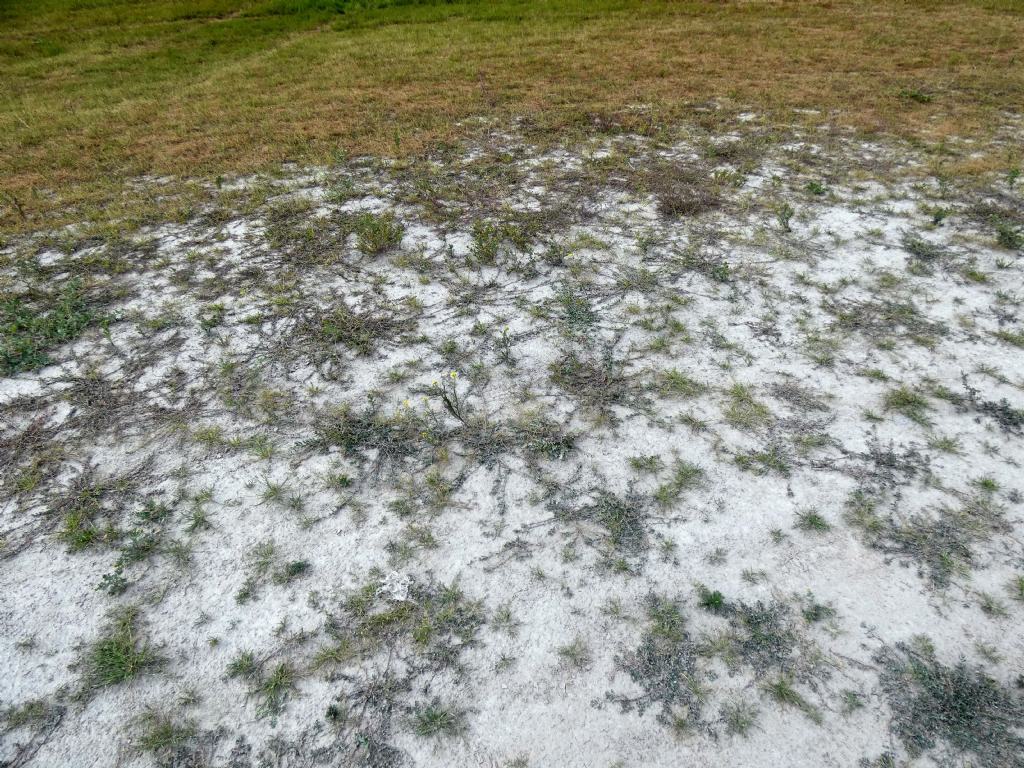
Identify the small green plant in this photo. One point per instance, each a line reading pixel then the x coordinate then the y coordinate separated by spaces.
pixel 1008 236
pixel 665 667
pixel 376 234
pixel 811 521
pixel 274 690
pixel 434 720
pixel 739 717
pixel 242 665
pixel 909 403
pixel 675 383
pixel 576 655
pixel 711 600
pixel 119 654
pixel 784 216
pixel 781 690
pixel 743 411
pixel 487 238
pixel 685 476
pixel 162 735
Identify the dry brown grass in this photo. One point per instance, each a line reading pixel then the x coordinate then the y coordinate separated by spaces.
pixel 140 98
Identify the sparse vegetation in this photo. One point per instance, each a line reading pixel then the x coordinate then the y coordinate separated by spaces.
pixel 369 454
pixel 959 708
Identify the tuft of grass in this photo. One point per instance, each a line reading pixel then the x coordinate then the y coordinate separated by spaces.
pixel 376 234
pixel 361 330
pixel 1015 338
pixel 597 383
pixel 623 518
pixel 685 476
pixel 30 714
pixel 576 655
pixel 1009 236
pixel 711 600
pixel 909 403
pixel 162 735
pixel 243 665
pixel 743 411
pixel 435 720
pixel 811 521
pixel 683 191
pixel 781 690
pixel 274 690
pixel 739 717
pixel 119 655
pixel 675 383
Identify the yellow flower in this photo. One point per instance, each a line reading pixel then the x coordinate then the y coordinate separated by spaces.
pixel 454 374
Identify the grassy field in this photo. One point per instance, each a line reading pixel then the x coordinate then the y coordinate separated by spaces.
pixel 98 91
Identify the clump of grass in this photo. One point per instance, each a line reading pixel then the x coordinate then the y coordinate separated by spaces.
pixel 711 266
pixel 430 617
pixel 941 540
pixel 1009 236
pixel 274 690
pixel 683 191
pixel 243 665
pixel 739 717
pixel 764 638
pixel 909 403
pixel 959 707
pixel 1014 338
pixel 30 714
pixel 120 654
pixel 774 457
pixel 377 233
pixel 368 432
pixel 923 250
pixel 781 690
pixel 685 476
pixel 577 312
pixel 711 600
pixel 743 411
pixel 32 329
pixel 435 719
pixel 675 383
pixel 163 735
pixel 576 655
pixel 882 319
pixel 487 238
pixel 812 521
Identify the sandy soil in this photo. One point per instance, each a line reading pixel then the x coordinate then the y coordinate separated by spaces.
pixel 702 450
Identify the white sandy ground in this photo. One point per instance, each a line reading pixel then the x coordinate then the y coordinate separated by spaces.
pixel 753 329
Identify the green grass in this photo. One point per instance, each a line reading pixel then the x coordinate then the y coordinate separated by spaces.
pixel 30 330
pixel 97 92
pixel 436 720
pixel 119 655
